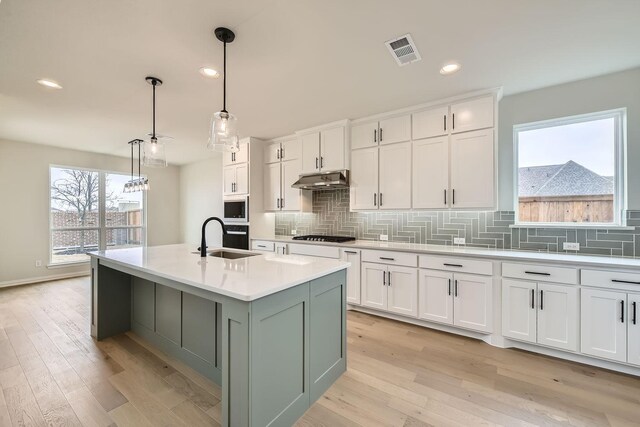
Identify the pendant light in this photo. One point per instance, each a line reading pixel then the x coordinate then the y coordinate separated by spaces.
pixel 140 183
pixel 154 154
pixel 223 134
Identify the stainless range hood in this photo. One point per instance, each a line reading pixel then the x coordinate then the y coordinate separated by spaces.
pixel 323 180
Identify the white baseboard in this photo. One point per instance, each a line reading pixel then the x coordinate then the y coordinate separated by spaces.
pixel 40 279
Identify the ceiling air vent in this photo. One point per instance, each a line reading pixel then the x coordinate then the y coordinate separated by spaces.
pixel 403 50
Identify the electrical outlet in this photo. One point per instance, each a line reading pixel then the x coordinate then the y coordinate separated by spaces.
pixel 38 263
pixel 294 232
pixel 459 241
pixel 569 246
pixel 384 237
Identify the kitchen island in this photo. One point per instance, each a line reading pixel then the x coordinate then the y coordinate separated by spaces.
pixel 269 329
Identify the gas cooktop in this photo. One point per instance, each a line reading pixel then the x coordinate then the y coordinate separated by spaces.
pixel 319 238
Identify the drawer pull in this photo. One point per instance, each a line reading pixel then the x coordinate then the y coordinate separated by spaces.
pixel 387 258
pixel 537 273
pixel 350 252
pixel 261 246
pixel 631 282
pixel 446 264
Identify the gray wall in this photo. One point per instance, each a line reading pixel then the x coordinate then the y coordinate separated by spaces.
pixel 24 206
pixel 584 96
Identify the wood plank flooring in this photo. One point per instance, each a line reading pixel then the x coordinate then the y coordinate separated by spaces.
pixel 52 373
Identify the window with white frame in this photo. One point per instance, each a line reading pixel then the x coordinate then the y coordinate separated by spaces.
pixel 88 211
pixel 570 171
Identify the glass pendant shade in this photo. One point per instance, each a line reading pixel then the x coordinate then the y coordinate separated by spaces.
pixel 153 154
pixel 223 134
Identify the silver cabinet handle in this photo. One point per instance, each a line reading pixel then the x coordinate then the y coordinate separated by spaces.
pixel 321 162
pixel 449 287
pixel 453 120
pixel 625 281
pixel 380 134
pixel 375 138
pixel 261 246
pixel 278 154
pixel 375 195
pixel 387 258
pixel 384 278
pixel 316 163
pixel 351 252
pixel 445 122
pixel 537 273
pixel 278 203
pixel 446 264
pixel 389 279
pixel 445 196
pixel 380 199
pixel 622 311
pixel 541 299
pixel 455 288
pixel 282 203
pixel 453 196
pixel 282 155
pixel 240 233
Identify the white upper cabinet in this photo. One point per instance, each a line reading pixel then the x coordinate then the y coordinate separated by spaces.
pixel 364 179
pixel 603 324
pixel 271 187
pixel 310 144
pixel 430 123
pixel 235 179
pixel 431 173
pixel 241 156
pixel 272 152
pixel 472 170
pixel 395 176
pixel 332 149
pixel 323 148
pixel 472 115
pixel 290 149
pixel 394 129
pixel 291 197
pixel 364 135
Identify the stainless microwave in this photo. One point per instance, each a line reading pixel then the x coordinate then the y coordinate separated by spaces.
pixel 236 209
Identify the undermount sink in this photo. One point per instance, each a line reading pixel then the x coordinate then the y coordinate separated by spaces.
pixel 231 255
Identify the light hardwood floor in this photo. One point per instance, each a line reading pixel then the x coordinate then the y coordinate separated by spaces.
pixel 53 373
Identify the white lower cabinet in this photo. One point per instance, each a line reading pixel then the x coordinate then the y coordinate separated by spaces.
pixel 282 248
pixel 353 275
pixel 391 288
pixel 604 324
pixel 463 300
pixel 633 329
pixel 542 313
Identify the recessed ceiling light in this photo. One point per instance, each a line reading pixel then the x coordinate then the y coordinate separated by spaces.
pixel 209 72
pixel 449 68
pixel 49 83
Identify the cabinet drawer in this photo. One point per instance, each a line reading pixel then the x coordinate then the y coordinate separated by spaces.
pixel 392 258
pixel 610 279
pixel 540 273
pixel 263 245
pixel 311 250
pixel 462 265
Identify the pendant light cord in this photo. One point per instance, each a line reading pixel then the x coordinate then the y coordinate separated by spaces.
pixel 139 162
pixel 224 78
pixel 131 161
pixel 154 109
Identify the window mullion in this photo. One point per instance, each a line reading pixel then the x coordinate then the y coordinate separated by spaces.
pixel 102 191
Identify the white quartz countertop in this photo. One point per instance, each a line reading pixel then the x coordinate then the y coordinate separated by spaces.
pixel 502 254
pixel 246 279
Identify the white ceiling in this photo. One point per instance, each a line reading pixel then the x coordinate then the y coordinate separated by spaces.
pixel 294 63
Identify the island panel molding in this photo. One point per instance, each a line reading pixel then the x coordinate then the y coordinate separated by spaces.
pixel 487 229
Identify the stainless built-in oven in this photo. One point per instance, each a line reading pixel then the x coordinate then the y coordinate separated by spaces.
pixel 236 210
pixel 237 236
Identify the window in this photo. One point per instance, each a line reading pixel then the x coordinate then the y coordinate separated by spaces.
pixel 89 211
pixel 570 171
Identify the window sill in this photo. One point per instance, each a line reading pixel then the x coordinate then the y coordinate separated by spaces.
pixel 67 264
pixel 576 226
